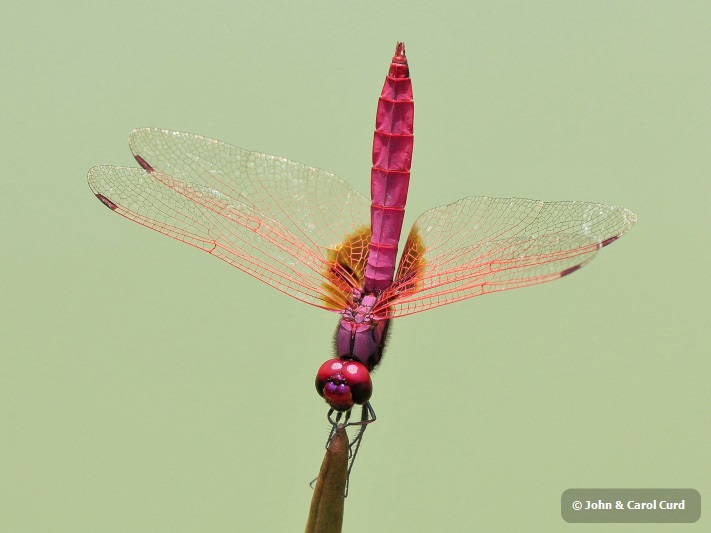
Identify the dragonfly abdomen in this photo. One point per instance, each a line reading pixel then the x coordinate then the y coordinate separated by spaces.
pixel 390 175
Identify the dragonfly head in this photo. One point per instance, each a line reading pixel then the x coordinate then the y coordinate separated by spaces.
pixel 343 383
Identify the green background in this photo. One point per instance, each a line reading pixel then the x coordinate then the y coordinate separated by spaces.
pixel 147 387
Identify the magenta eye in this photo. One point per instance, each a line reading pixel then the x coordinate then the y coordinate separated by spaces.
pixel 344 383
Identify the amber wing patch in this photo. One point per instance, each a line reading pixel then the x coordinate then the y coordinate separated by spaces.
pixel 412 266
pixel 346 267
pixel 409 277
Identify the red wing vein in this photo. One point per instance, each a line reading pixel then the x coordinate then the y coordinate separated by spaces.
pixel 480 245
pixel 204 220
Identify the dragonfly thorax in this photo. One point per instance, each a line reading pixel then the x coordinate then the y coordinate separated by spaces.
pixel 360 311
pixel 360 339
pixel 360 335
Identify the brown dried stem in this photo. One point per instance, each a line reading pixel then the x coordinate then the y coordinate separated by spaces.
pixel 326 513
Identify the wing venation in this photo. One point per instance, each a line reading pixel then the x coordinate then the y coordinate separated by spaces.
pixel 278 220
pixel 479 245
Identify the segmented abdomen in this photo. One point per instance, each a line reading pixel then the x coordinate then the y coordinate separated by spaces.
pixel 390 175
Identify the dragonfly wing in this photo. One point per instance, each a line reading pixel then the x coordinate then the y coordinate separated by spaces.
pixel 316 206
pixel 275 219
pixel 480 245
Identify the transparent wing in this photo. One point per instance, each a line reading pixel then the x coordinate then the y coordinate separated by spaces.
pixel 480 245
pixel 280 221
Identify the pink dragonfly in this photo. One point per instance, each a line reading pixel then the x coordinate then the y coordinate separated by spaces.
pixel 312 236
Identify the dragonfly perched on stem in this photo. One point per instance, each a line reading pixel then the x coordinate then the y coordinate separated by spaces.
pixel 312 236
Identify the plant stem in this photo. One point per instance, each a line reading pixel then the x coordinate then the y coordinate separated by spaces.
pixel 326 513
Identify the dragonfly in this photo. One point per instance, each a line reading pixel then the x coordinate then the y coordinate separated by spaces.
pixel 312 236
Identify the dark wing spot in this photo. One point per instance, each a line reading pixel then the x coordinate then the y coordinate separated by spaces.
pixel 143 163
pixel 609 240
pixel 108 203
pixel 570 270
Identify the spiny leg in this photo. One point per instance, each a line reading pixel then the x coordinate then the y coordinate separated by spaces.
pixel 334 426
pixel 367 416
pixel 334 423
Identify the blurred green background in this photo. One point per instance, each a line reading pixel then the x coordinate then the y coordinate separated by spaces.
pixel 145 386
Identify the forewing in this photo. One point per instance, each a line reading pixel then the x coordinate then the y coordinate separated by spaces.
pixel 480 245
pixel 278 220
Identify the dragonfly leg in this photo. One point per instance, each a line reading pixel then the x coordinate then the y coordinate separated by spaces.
pixel 335 422
pixel 367 416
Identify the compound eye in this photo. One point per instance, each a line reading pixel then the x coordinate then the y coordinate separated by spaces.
pixel 343 383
